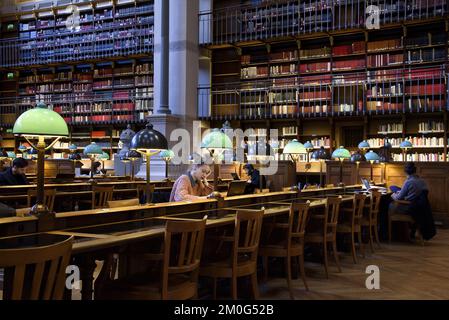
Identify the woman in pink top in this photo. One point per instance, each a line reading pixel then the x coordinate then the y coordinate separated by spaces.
pixel 193 185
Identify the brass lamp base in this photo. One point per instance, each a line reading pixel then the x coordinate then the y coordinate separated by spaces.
pixel 341 184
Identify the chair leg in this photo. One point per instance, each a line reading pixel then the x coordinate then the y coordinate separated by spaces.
pixel 389 229
pixel 303 273
pixel 254 285
pixel 354 253
pixel 334 250
pixel 265 268
pixel 371 240
pixel 288 269
pixel 326 263
pixel 361 244
pixel 376 233
pixel 234 287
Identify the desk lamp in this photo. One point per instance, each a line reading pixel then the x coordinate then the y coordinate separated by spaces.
pixel 216 142
pixel 294 148
pixel 356 158
pixel 148 142
pixel 40 123
pixel 405 146
pixel 167 156
pixel 321 155
pixel 341 154
pixel 133 156
pixel 93 151
pixel 371 156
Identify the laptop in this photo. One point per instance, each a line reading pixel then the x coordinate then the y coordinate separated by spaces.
pixel 236 188
pixel 235 176
pixel 368 186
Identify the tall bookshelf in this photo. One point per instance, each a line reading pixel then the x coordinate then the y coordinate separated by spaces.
pixel 300 67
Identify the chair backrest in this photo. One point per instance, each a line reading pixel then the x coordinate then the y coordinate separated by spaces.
pixel 49 198
pixel 330 185
pixel 36 273
pixel 101 196
pixel 357 209
pixel 123 203
pixel 374 204
pixel 248 226
pixel 183 246
pixel 141 190
pixel 331 211
pixel 297 222
pixel 310 187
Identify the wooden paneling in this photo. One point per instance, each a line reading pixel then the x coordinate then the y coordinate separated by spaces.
pixel 436 175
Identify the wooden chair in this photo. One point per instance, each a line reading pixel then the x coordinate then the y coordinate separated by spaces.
pixel 141 190
pixel 330 185
pixel 354 225
pixel 311 187
pixel 49 198
pixel 394 216
pixel 370 222
pixel 291 245
pixel 36 273
pixel 101 196
pixel 178 280
pixel 242 260
pixel 123 203
pixel 328 234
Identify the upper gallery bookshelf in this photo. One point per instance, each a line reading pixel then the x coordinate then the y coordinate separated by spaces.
pixel 375 72
pixel 232 22
pixel 104 29
pixel 107 92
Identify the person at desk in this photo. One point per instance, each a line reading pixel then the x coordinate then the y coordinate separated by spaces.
pixel 6 211
pixel 415 191
pixel 15 175
pixel 193 185
pixel 254 178
pixel 97 168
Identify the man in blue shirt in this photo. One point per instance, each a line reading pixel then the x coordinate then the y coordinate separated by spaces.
pixel 413 186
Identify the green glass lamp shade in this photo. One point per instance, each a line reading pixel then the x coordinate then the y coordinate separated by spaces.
pixel 364 145
pixel 341 153
pixel 40 121
pixel 294 147
pixel 372 156
pixel 406 145
pixel 216 140
pixel 72 148
pixel 133 155
pixel 320 154
pixel 93 149
pixel 104 156
pixel 167 155
pixel 357 157
pixel 11 155
pixel 22 148
pixel 308 145
pixel 149 139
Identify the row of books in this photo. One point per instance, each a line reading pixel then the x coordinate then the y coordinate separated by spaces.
pixel 425 39
pixel 383 45
pixel 385 90
pixel 426 55
pixel 431 126
pixel 384 106
pixel 423 104
pixel 99 118
pixel 283 69
pixel 144 80
pixel 315 53
pixel 390 127
pixel 348 64
pixel 426 89
pixel 386 59
pixel 418 157
pixel 417 142
pixel 254 72
pixel 355 47
pixel 282 97
pixel 293 130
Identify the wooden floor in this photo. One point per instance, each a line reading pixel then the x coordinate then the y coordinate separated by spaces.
pixel 407 271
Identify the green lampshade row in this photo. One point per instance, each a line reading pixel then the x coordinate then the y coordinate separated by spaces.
pixel 40 121
pixel 372 156
pixel 364 145
pixel 167 154
pixel 406 144
pixel 341 153
pixel 308 145
pixel 93 149
pixel 104 156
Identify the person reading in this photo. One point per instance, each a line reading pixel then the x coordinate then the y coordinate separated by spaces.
pixel 254 178
pixel 15 175
pixel 192 185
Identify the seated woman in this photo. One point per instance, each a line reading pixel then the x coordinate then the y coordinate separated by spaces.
pixel 254 179
pixel 97 168
pixel 415 191
pixel 193 185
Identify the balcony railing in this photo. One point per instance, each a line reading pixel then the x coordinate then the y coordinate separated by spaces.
pixel 76 46
pixel 396 91
pixel 272 19
pixel 115 106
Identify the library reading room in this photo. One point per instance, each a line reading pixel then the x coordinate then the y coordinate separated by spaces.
pixel 224 150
